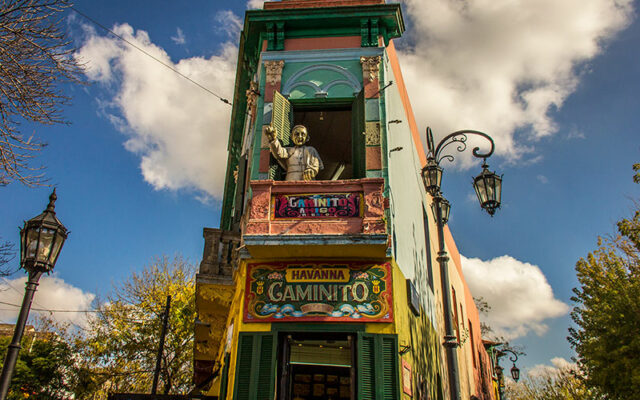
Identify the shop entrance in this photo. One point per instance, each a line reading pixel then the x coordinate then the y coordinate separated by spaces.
pixel 317 367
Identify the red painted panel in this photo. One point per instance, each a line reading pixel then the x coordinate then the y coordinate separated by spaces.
pixel 318 3
pixel 374 160
pixel 346 42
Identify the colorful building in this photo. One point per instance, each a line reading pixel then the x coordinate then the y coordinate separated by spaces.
pixel 328 288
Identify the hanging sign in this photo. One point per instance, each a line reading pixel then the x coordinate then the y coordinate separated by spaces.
pixel 318 291
pixel 320 205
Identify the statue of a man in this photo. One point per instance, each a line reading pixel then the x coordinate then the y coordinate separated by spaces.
pixel 301 162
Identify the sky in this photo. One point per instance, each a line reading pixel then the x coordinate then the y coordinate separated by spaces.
pixel 139 170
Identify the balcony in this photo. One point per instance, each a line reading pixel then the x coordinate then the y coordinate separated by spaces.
pixel 316 219
pixel 214 293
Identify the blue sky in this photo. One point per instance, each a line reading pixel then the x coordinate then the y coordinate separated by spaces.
pixel 560 99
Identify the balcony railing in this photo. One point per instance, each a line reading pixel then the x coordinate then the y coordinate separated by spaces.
pixel 219 253
pixel 342 207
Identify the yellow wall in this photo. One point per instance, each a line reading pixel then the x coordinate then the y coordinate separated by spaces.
pixel 413 331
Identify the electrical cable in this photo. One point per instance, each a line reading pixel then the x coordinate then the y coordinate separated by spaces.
pixel 222 99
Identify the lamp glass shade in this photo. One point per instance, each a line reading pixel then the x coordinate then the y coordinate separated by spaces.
pixel 445 209
pixel 41 239
pixel 515 373
pixel 488 187
pixel 432 177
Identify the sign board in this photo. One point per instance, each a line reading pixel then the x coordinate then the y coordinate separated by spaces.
pixel 318 291
pixel 413 298
pixel 406 379
pixel 320 205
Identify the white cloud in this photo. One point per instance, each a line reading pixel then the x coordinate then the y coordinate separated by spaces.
pixel 575 133
pixel 252 4
pixel 557 364
pixel 542 179
pixel 230 23
pixel 179 130
pixel 179 38
pixel 500 66
pixel 52 294
pixel 518 293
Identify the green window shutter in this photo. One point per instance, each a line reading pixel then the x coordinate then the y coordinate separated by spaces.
pixel 266 367
pixel 366 365
pixel 255 370
pixel 389 357
pixel 224 377
pixel 378 367
pixel 358 138
pixel 281 120
pixel 243 367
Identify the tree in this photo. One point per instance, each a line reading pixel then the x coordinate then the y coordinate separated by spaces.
pixel 43 367
pixel 7 254
pixel 483 309
pixel 35 58
pixel 559 384
pixel 607 312
pixel 121 342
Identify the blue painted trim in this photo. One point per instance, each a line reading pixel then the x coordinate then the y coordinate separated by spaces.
pixel 371 110
pixel 306 240
pixel 322 55
pixel 354 82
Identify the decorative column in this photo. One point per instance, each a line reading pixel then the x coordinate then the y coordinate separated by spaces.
pixel 371 85
pixel 273 71
pixel 273 81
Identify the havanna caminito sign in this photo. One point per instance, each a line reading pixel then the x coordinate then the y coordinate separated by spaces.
pixel 321 205
pixel 318 291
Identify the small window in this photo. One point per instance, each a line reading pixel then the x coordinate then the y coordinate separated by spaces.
pixel 330 132
pixel 336 131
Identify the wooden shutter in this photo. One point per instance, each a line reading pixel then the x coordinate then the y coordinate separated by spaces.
pixel 281 120
pixel 366 366
pixel 224 377
pixel 255 370
pixel 358 136
pixel 389 364
pixel 377 366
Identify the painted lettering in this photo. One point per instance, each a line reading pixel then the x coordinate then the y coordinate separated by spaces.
pixel 275 296
pixel 363 289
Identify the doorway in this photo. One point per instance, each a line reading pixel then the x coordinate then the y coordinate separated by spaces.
pixel 317 366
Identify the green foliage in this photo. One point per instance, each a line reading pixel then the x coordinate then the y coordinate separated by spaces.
pixel 562 384
pixel 121 343
pixel 43 370
pixel 607 312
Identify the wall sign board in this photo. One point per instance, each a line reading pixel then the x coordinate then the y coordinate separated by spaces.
pixel 321 205
pixel 318 291
pixel 413 298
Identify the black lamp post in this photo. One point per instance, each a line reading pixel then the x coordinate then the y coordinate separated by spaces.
pixel 488 187
pixel 41 239
pixel 515 371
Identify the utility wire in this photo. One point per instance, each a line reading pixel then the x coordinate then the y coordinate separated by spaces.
pixel 68 311
pixel 18 291
pixel 222 99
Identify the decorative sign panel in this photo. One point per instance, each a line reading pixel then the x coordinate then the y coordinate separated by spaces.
pixel 318 291
pixel 320 205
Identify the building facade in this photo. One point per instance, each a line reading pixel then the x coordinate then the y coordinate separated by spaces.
pixel 328 288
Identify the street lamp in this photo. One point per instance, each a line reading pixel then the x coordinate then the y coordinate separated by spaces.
pixel 515 371
pixel 488 187
pixel 41 239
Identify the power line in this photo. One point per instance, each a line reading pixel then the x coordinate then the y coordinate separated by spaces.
pixel 70 311
pixel 222 99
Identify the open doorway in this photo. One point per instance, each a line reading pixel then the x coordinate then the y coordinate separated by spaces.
pixel 317 367
pixel 330 132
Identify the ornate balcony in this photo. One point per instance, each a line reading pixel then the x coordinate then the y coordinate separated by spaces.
pixel 309 216
pixel 214 293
